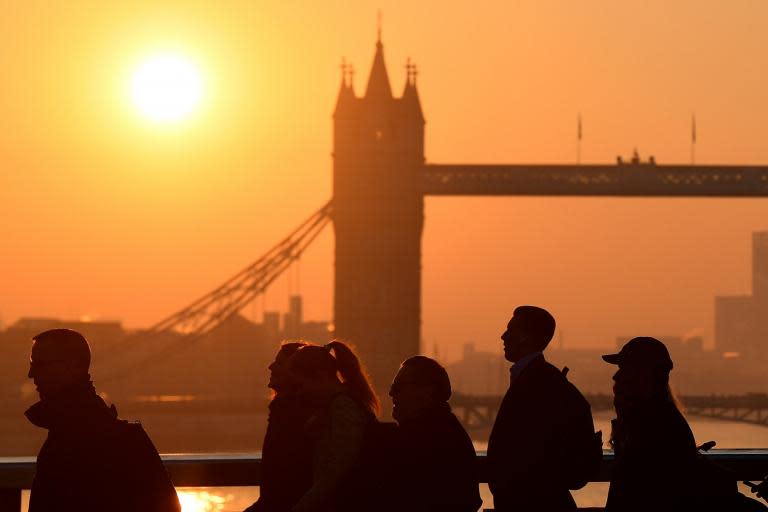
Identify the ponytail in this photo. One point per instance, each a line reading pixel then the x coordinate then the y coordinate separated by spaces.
pixel 354 376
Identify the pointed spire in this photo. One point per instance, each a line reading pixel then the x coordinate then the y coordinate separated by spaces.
pixel 410 100
pixel 378 81
pixel 344 67
pixel 409 68
pixel 351 77
pixel 345 89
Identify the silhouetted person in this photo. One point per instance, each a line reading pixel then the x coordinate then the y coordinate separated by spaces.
pixel 286 456
pixel 656 454
pixel 90 461
pixel 543 441
pixel 333 381
pixel 435 466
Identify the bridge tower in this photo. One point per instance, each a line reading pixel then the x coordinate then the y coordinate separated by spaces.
pixel 378 158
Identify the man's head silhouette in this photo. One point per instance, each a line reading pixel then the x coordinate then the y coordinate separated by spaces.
pixel 421 383
pixel 530 330
pixel 60 358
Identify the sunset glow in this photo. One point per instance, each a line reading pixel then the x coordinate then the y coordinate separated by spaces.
pixel 160 220
pixel 201 501
pixel 166 88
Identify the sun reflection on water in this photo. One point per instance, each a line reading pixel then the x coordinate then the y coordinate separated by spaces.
pixel 202 501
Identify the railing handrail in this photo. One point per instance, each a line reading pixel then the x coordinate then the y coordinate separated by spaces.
pixel 244 469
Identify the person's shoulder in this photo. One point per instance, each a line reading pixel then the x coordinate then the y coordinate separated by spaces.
pixel 344 401
pixel 680 423
pixel 446 420
pixel 554 379
pixel 344 406
pixel 545 372
pixel 457 429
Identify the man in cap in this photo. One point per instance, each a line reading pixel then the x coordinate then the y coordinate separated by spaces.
pixel 543 441
pixel 656 453
pixel 91 461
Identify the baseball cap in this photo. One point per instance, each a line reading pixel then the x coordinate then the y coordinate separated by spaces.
pixel 642 350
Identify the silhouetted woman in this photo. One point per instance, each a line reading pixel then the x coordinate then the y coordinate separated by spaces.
pixel 655 450
pixel 286 452
pixel 333 380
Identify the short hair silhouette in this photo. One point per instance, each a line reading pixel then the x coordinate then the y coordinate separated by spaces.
pixel 536 321
pixel 70 346
pixel 431 373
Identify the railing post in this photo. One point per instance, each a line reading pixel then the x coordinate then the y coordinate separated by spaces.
pixel 10 500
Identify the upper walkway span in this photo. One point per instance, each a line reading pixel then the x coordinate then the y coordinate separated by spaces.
pixel 625 180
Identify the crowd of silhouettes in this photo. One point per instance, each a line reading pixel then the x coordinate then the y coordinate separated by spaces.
pixel 326 450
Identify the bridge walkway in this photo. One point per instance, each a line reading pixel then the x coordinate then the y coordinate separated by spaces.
pixel 233 470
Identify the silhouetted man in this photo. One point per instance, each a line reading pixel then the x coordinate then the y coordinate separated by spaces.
pixel 90 461
pixel 435 469
pixel 543 441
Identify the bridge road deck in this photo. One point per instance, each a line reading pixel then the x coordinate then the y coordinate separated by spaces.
pixel 631 179
pixel 225 470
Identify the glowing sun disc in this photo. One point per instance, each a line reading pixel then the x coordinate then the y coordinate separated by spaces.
pixel 166 88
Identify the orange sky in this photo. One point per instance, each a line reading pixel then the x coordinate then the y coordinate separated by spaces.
pixel 106 215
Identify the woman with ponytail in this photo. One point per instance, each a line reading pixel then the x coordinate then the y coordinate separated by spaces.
pixel 334 382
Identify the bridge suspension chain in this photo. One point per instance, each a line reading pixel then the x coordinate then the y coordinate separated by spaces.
pixel 206 313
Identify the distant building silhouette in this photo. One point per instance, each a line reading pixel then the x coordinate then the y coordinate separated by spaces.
pixel 741 322
pixel 479 372
pixel 229 363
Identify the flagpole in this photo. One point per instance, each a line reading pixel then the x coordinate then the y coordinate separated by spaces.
pixel 693 139
pixel 578 141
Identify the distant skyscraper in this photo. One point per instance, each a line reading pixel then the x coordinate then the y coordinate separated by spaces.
pixel 760 265
pixel 741 322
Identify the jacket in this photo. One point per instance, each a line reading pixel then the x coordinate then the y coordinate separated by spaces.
pixel 526 448
pixel 286 455
pixel 656 459
pixel 435 470
pixel 91 461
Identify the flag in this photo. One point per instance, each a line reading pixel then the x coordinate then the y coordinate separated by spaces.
pixel 693 129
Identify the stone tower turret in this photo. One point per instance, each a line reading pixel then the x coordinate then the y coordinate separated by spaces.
pixel 378 156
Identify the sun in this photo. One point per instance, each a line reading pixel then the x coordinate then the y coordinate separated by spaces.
pixel 166 88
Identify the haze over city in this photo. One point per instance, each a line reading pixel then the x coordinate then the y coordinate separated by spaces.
pixel 109 215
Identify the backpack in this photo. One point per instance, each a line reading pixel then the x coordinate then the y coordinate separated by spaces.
pixel 582 446
pixel 141 470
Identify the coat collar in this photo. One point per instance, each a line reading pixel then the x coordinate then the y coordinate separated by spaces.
pixel 520 366
pixel 74 407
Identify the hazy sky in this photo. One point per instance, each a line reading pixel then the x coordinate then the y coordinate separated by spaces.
pixel 105 214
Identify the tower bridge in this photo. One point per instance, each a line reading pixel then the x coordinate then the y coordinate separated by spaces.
pixel 380 179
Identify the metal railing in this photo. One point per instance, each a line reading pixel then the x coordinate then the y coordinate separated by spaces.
pixel 234 470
